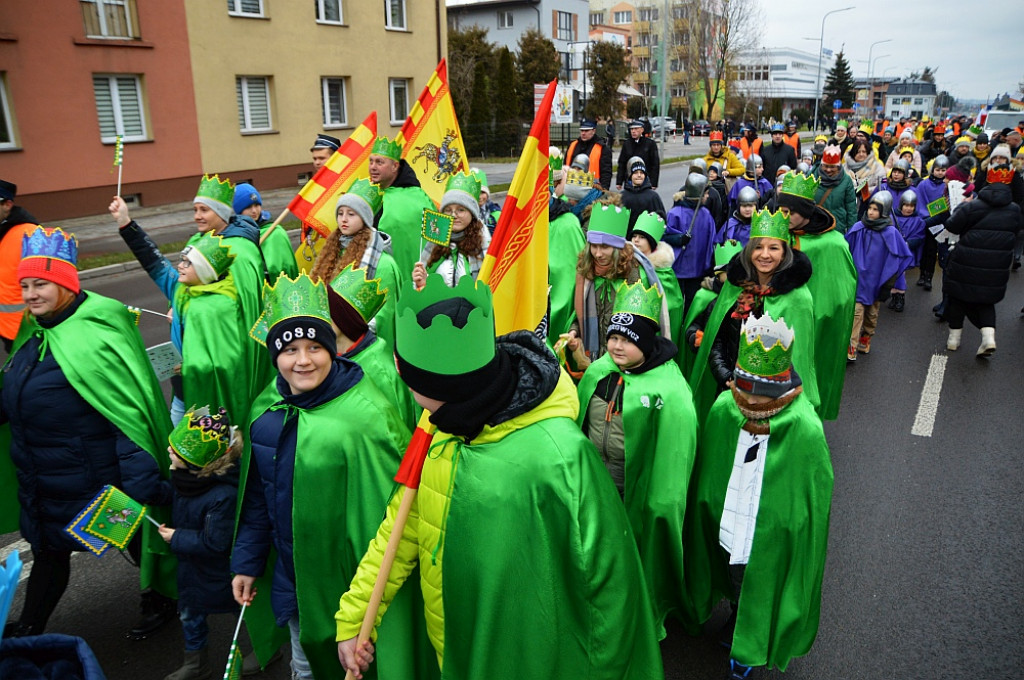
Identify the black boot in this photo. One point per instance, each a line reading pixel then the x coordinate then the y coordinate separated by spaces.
pixel 927 282
pixel 892 301
pixel 922 278
pixel 157 610
pixel 899 301
pixel 15 629
pixel 939 310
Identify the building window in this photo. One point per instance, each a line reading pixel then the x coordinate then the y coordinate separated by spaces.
pixel 114 19
pixel 253 93
pixel 399 89
pixel 918 101
pixel 622 17
pixel 596 18
pixel 332 93
pixel 245 8
pixel 504 19
pixel 649 14
pixel 680 12
pixel 565 31
pixel 394 14
pixel 678 91
pixel 6 119
pixel 328 11
pixel 119 107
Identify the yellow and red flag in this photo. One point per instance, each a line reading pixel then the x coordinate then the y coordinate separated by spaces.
pixel 431 135
pixel 516 263
pixel 315 204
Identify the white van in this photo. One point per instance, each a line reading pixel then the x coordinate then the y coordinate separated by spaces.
pixel 999 120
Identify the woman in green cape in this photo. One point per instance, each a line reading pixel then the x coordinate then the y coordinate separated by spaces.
pixel 766 277
pixel 357 243
pixel 85 410
pixel 637 410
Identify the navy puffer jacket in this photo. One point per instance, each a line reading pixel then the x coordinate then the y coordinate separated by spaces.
pixel 64 451
pixel 979 264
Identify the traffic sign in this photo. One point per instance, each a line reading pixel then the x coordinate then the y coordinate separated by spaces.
pixel 837 104
pixel 856 106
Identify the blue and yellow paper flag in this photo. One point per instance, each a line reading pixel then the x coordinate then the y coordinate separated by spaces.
pixel 112 518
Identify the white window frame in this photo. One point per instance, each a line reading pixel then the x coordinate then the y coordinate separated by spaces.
pixel 624 17
pixel 114 89
pixel 392 82
pixel 101 16
pixel 505 18
pixel 246 112
pixel 565 30
pixel 597 18
pixel 235 9
pixel 8 119
pixel 321 12
pixel 400 4
pixel 325 83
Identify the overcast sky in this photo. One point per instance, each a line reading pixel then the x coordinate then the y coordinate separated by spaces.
pixel 977 51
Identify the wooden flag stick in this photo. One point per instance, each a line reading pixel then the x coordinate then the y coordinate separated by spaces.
pixel 273 226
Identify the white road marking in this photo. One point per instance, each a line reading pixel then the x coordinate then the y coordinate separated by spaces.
pixel 928 408
pixel 19 546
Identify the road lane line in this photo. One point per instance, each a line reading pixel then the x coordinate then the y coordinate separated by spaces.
pixel 928 408
pixel 19 546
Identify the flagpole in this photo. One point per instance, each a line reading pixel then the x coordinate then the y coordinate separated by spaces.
pixel 273 226
pixel 119 169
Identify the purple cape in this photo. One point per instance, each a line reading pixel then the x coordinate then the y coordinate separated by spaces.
pixel 878 256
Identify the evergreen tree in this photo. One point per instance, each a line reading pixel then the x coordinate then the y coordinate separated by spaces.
pixel 466 48
pixel 538 64
pixel 608 68
pixel 477 132
pixel 838 85
pixel 506 105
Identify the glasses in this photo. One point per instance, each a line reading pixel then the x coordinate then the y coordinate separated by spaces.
pixel 185 263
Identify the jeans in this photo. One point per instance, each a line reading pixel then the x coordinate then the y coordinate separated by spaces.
pixel 300 664
pixel 194 629
pixel 177 410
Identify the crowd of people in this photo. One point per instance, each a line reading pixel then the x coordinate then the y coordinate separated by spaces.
pixel 662 435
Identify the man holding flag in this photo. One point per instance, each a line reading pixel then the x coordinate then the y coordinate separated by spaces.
pixel 510 590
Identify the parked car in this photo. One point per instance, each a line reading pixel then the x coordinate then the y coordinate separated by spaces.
pixel 701 128
pixel 658 122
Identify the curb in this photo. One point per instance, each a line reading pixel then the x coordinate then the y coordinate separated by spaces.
pixel 100 272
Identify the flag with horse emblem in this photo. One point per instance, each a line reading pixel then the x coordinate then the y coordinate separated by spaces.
pixel 430 138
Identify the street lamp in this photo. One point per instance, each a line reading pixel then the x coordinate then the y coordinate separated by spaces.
pixel 821 46
pixel 871 67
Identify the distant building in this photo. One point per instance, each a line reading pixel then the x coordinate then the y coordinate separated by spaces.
pixel 561 21
pixel 909 99
pixel 236 87
pixel 781 79
pixel 871 96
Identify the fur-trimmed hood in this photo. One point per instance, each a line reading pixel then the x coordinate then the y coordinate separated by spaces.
pixel 663 256
pixel 798 274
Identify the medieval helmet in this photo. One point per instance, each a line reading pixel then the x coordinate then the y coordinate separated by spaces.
pixel 803 168
pixel 941 161
pixel 581 162
pixel 883 199
pixel 747 196
pixel 699 165
pixel 694 187
pixel 903 165
pixel 752 164
pixel 908 197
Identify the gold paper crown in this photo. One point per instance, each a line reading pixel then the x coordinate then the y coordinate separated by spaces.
pixel 579 178
pixel 766 224
pixel 363 293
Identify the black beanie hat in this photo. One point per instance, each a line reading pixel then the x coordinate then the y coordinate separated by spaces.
pixel 639 330
pixel 801 206
pixel 300 328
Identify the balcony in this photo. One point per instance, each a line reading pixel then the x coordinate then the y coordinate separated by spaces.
pixel 641 77
pixel 641 50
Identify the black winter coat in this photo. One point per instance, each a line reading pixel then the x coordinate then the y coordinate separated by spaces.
pixel 64 451
pixel 775 157
pixel 725 348
pixel 647 149
pixel 979 265
pixel 641 198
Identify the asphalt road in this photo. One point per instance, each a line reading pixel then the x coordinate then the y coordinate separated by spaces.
pixel 925 572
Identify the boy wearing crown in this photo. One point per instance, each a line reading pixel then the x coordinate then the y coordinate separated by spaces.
pixel 638 411
pixel 404 201
pixel 203 449
pixel 201 290
pixel 320 431
pixel 834 289
pixel 527 565
pixel 355 300
pixel 762 490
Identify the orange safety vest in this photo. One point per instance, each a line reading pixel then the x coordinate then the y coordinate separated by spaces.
pixel 794 141
pixel 595 158
pixel 12 307
pixel 746 148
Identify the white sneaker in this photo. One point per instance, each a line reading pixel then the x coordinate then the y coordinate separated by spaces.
pixel 953 342
pixel 988 342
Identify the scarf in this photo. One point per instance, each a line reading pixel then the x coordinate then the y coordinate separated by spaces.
pixel 827 181
pixel 878 224
pixel 750 298
pixel 758 415
pixel 371 255
pixel 855 166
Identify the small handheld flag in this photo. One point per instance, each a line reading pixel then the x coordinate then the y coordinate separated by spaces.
pixel 119 160
pixel 937 206
pixel 112 518
pixel 9 575
pixel 437 227
pixel 233 671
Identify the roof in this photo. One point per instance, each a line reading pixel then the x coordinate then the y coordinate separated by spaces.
pixel 908 87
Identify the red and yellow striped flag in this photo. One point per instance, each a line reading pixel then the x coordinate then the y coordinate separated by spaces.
pixel 430 138
pixel 315 204
pixel 516 263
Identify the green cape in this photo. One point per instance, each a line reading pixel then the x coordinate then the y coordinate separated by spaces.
pixel 279 254
pixel 674 303
pixel 391 278
pixel 685 358
pixel 378 363
pixel 660 427
pixel 348 450
pixel 565 243
pixel 402 220
pixel 833 287
pixel 118 381
pixel 780 600
pixel 798 310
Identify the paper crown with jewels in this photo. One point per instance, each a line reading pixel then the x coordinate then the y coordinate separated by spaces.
pixel 217 189
pixel 765 351
pixel 867 127
pixel 609 219
pixel 651 224
pixel 441 347
pixel 368 192
pixel 288 299
pixel 363 293
pixel 767 224
pixel 639 301
pixel 975 130
pixel 465 182
pixel 52 255
pixel 554 158
pixel 210 256
pixel 999 175
pixel 579 178
pixel 798 184
pixel 387 148
pixel 201 437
